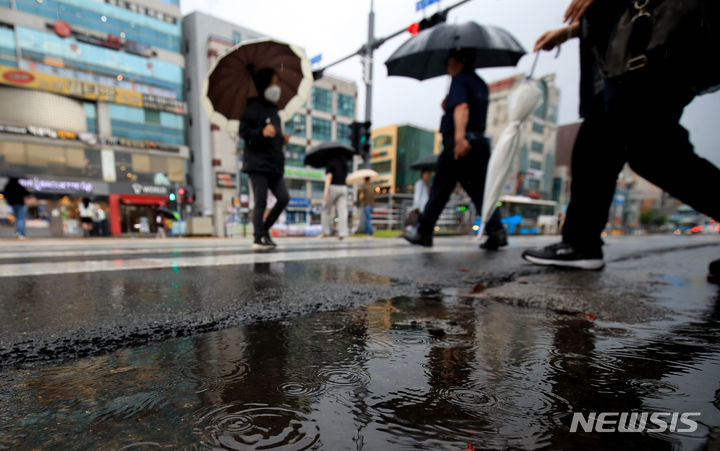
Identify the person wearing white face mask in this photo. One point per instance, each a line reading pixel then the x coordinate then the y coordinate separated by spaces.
pixel 264 159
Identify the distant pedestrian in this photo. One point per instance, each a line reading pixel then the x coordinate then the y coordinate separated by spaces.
pixel 627 119
pixel 465 152
pixel 15 195
pixel 335 197
pixel 87 215
pixel 264 159
pixel 100 220
pixel 366 195
pixel 421 192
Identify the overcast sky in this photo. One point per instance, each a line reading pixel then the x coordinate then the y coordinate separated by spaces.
pixel 336 28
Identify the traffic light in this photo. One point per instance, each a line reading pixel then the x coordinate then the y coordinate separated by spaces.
pixel 172 200
pixel 360 137
pixel 181 195
pixel 427 22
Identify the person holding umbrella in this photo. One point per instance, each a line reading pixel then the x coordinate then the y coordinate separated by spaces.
pixel 335 197
pixel 465 150
pixel 264 159
pixel 627 119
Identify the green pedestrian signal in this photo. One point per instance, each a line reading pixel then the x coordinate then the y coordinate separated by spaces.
pixel 172 197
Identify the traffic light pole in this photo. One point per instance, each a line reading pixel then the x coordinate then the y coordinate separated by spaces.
pixel 368 73
pixel 367 51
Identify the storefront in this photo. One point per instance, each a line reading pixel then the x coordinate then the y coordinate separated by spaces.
pixel 134 208
pixel 52 207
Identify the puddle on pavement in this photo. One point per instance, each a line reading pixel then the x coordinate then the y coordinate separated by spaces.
pixel 438 372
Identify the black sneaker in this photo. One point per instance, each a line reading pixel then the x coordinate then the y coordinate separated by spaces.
pixel 261 245
pixel 495 241
pixel 714 272
pixel 564 255
pixel 413 237
pixel 268 240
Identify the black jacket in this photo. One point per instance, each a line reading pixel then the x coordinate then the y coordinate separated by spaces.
pixel 15 193
pixel 262 154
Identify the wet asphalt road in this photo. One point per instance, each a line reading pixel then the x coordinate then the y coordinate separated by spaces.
pixel 66 299
pixel 364 344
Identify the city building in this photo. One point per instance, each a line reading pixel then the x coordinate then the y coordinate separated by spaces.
pixel 395 148
pixel 533 170
pixel 93 107
pixel 222 190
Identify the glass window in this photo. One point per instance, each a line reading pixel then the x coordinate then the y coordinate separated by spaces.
pixel 12 153
pixel 321 129
pixel 86 56
pixel 538 128
pixel 294 155
pixel 176 169
pixel 297 185
pixel 535 165
pixel 382 167
pixel 346 105
pixel 534 184
pixel 344 133
pixel 317 187
pixel 141 163
pixel 237 37
pixel 296 126
pixel 322 99
pixel 152 116
pixel 382 141
pixel 537 147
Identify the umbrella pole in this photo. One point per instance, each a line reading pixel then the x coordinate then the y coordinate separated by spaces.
pixel 534 65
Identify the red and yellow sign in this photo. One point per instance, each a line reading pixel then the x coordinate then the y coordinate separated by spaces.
pixel 69 87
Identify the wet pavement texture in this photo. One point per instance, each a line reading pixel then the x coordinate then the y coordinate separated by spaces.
pixel 446 349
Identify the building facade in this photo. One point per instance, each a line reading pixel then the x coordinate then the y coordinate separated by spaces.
pixel 222 189
pixel 395 148
pixel 93 107
pixel 533 170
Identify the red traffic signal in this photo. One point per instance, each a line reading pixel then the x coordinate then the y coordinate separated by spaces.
pixel 413 28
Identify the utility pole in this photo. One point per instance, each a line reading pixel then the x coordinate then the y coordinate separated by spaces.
pixel 367 50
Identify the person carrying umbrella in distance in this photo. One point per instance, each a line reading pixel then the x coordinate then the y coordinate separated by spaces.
pixel 335 197
pixel 334 157
pixel 252 89
pixel 366 196
pixel 633 116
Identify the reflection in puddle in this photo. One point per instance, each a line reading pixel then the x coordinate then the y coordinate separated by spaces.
pixel 432 373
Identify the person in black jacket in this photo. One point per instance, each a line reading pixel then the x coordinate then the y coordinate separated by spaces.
pixel 465 154
pixel 263 159
pixel 15 195
pixel 626 120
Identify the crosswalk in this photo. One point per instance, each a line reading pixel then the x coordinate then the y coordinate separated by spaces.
pixel 78 256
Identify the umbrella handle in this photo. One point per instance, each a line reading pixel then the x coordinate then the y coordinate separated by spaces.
pixel 534 65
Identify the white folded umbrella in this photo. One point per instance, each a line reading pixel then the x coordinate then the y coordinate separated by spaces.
pixel 525 100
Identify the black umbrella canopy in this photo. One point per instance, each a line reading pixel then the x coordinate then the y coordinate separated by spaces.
pixel 427 162
pixel 424 56
pixel 322 153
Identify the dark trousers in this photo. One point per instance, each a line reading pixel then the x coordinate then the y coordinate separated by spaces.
pixel 470 172
pixel 645 133
pixel 261 182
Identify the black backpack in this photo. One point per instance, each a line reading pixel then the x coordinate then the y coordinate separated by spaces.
pixel 678 39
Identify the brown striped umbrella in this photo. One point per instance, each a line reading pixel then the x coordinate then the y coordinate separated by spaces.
pixel 228 85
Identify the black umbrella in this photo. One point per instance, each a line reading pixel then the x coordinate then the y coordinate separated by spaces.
pixel 424 56
pixel 322 153
pixel 428 162
pixel 168 213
